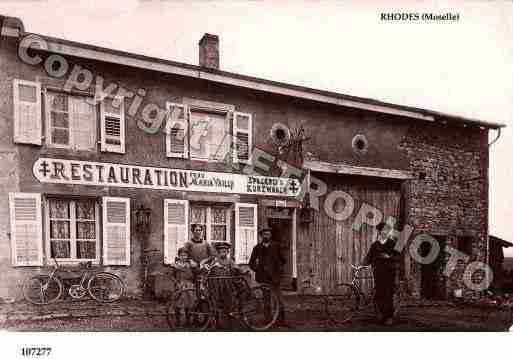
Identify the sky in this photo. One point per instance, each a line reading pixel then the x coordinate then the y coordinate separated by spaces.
pixel 463 67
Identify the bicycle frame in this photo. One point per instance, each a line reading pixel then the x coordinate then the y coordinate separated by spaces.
pixel 357 278
pixel 86 273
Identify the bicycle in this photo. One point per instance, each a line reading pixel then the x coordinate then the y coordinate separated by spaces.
pixel 351 299
pixel 255 307
pixel 44 289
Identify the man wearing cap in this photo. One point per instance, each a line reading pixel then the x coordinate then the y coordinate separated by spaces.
pixel 266 261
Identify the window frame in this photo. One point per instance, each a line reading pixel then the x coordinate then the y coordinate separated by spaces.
pixel 208 220
pixel 73 237
pixel 228 131
pixel 48 118
pixel 230 118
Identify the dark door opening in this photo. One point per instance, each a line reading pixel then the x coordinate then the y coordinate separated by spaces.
pixel 433 283
pixel 282 233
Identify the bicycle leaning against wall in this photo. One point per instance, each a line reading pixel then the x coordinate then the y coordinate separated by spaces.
pixel 103 287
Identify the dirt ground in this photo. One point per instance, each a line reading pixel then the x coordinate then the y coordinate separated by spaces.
pixel 434 317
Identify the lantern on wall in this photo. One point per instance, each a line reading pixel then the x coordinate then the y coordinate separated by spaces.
pixel 143 219
pixel 306 212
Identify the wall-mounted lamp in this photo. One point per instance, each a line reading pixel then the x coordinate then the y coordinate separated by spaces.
pixel 143 220
pixel 306 212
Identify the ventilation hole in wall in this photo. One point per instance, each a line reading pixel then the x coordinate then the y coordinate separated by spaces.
pixel 360 144
pixel 280 133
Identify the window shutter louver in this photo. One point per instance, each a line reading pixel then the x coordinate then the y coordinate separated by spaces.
pixel 112 126
pixel 177 131
pixel 242 136
pixel 245 231
pixel 27 112
pixel 26 229
pixel 176 227
pixel 116 230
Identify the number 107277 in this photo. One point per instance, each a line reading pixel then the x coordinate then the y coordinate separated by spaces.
pixel 36 351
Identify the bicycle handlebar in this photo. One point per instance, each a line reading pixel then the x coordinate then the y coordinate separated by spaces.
pixel 358 267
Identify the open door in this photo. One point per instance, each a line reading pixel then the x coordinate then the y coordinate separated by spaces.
pixel 282 233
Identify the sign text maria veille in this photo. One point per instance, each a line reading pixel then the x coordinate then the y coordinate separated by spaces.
pixel 53 170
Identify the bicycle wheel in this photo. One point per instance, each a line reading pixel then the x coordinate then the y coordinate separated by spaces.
pixel 259 307
pixel 187 312
pixel 105 287
pixel 42 289
pixel 341 307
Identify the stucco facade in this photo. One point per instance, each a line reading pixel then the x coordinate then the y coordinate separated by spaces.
pixel 443 190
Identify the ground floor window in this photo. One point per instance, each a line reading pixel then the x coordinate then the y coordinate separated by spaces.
pixel 72 229
pixel 215 220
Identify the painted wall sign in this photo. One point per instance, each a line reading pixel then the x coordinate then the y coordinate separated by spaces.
pixel 54 170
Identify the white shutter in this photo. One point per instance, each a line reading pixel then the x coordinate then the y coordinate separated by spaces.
pixel 26 229
pixel 83 123
pixel 177 131
pixel 116 230
pixel 176 227
pixel 242 137
pixel 245 231
pixel 27 112
pixel 112 126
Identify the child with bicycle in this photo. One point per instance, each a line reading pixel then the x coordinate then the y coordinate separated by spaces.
pixel 184 273
pixel 225 283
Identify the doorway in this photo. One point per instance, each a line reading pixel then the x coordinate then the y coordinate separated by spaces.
pixel 433 283
pixel 282 232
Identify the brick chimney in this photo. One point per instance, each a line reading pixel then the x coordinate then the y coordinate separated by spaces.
pixel 209 51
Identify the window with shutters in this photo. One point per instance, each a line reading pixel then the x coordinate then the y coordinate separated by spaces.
pixel 27 112
pixel 214 219
pixel 208 134
pixel 113 125
pixel 242 137
pixel 71 121
pixel 26 229
pixel 245 231
pixel 72 229
pixel 176 228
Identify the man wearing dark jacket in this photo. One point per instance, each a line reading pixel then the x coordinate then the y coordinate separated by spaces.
pixel 266 261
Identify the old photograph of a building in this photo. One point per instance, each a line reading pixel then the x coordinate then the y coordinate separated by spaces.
pixel 143 193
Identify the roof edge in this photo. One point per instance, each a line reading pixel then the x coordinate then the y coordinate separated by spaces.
pixel 93 52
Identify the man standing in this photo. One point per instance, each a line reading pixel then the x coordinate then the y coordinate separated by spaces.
pixel 266 261
pixel 384 261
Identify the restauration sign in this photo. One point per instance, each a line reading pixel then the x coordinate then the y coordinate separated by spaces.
pixel 54 170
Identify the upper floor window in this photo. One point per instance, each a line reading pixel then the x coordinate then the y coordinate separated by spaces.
pixel 208 135
pixel 71 121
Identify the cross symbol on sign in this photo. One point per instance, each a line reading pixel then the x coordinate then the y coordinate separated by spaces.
pixel 44 168
pixel 293 186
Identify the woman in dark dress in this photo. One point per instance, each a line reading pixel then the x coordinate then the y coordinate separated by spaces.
pixel 384 260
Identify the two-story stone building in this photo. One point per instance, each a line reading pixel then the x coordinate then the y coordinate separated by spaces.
pixel 88 135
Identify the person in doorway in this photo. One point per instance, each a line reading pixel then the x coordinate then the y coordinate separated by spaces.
pixel 384 260
pixel 267 261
